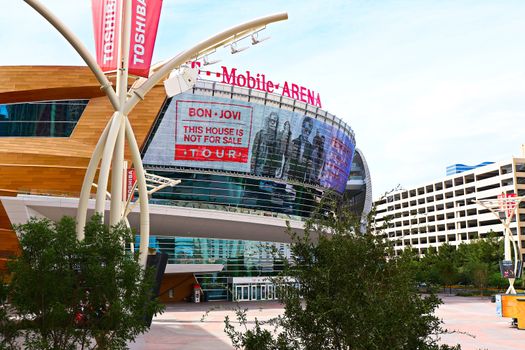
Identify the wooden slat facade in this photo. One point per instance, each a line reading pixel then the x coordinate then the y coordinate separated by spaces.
pixel 181 286
pixel 57 165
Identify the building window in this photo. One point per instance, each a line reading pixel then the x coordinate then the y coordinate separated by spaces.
pixel 45 118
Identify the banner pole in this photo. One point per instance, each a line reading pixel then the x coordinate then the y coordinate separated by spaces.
pixel 122 89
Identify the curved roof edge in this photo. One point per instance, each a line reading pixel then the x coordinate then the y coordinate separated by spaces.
pixel 368 188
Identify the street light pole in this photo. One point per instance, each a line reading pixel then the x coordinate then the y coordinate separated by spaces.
pixel 109 150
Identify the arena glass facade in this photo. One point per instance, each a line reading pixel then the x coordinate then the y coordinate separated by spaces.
pixel 283 155
pixel 240 258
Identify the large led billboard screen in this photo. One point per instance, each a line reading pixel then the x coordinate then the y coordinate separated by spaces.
pixel 231 135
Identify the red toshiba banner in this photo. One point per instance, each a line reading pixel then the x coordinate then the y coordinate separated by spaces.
pixel 131 179
pixel 106 23
pixel 145 16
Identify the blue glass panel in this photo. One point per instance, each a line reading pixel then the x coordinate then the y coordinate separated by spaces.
pixel 48 118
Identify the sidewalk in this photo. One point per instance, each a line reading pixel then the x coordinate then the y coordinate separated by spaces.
pixel 477 316
pixel 201 326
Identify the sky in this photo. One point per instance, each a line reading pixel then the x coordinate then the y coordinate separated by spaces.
pixel 424 84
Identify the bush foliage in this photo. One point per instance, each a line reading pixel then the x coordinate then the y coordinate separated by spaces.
pixel 66 294
pixel 470 264
pixel 344 289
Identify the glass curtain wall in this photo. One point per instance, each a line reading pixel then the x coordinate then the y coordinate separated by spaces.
pixel 248 195
pixel 46 118
pixel 240 259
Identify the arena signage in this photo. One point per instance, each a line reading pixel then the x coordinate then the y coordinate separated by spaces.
pixel 210 132
pixel 260 82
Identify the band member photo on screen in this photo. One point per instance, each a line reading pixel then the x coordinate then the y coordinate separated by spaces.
pixel 285 142
pixel 266 157
pixel 301 158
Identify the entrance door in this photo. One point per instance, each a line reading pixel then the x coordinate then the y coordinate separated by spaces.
pixel 242 293
pixel 254 292
pixel 263 292
pixel 271 293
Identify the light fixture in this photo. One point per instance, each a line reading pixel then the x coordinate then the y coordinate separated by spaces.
pixel 206 61
pixel 256 40
pixel 235 49
pixel 181 80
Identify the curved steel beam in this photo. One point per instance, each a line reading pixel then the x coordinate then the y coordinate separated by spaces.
pixel 88 181
pixel 143 194
pixel 105 84
pixel 105 166
pixel 217 40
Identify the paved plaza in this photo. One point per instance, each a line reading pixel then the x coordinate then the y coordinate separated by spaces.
pixel 200 326
pixel 476 317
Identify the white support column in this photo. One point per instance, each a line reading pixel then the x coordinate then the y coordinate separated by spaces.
pixel 143 193
pixel 103 174
pixel 117 171
pixel 88 181
pixel 507 254
pixel 122 89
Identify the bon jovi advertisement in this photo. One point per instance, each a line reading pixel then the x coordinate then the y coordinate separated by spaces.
pixel 217 133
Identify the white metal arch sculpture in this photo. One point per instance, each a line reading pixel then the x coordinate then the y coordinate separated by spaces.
pixel 109 150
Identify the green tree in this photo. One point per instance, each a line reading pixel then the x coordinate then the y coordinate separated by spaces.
pixel 475 263
pixel 65 293
pixel 428 271
pixel 478 261
pixel 479 274
pixel 495 280
pixel 446 265
pixel 345 290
